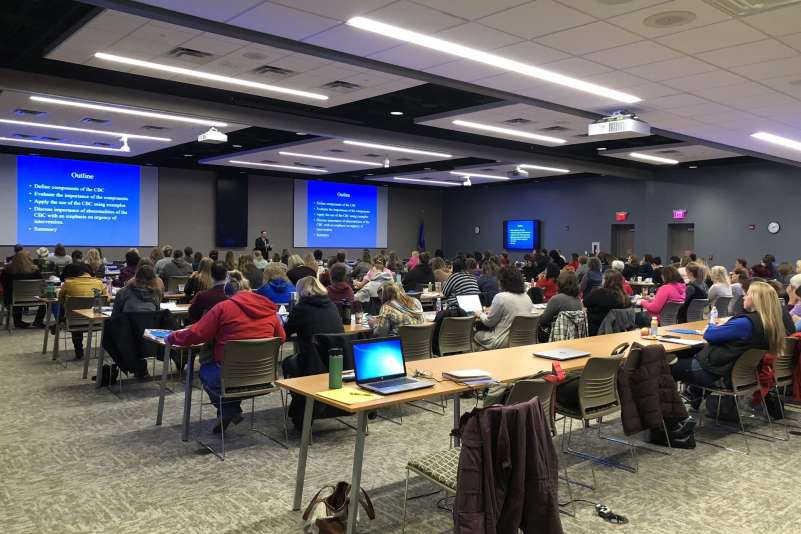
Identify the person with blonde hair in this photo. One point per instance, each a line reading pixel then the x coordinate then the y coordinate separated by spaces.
pixel 230 261
pixel 762 326
pixel 298 269
pixel 95 262
pixel 20 268
pixel 721 284
pixel 201 280
pixel 276 285
pixel 397 309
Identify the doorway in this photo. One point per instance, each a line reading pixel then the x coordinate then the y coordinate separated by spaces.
pixel 622 240
pixel 681 239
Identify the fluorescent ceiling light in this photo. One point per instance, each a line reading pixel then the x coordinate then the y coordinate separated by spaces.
pixel 777 140
pixel 541 168
pixel 454 49
pixel 208 76
pixel 509 131
pixel 329 158
pixel 276 166
pixel 398 149
pixel 419 181
pixel 653 159
pixel 124 148
pixel 478 175
pixel 85 130
pixel 127 111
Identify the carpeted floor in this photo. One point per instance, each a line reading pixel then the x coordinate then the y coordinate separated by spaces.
pixel 76 459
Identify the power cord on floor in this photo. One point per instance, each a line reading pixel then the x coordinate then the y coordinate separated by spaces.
pixel 603 511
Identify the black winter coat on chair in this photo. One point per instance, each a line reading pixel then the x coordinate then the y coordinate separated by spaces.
pixel 123 338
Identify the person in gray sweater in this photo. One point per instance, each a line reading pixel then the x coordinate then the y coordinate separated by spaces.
pixel 177 267
pixel 510 302
pixel 565 300
pixel 142 294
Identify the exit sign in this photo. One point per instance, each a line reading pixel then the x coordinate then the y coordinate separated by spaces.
pixel 621 215
pixel 679 214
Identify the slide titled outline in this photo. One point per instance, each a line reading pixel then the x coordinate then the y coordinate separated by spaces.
pixel 520 235
pixel 341 215
pixel 77 202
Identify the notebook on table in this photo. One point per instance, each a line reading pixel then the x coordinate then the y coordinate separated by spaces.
pixel 561 354
pixel 379 367
pixel 469 303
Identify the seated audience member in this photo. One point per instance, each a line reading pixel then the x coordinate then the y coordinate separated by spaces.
pixel 60 258
pixel 285 257
pixel 547 281
pixel 166 258
pixel 646 267
pixel 43 262
pixel 20 268
pixel 394 263
pixel 440 268
pixel 82 285
pixel 582 268
pixel 245 315
pixel 276 260
pixel 339 290
pixel 683 263
pixel 459 283
pixel 258 259
pixel 794 297
pixel 503 260
pixel 737 279
pixel 313 314
pixel 694 289
pixel 573 263
pixel 276 285
pixel 205 299
pixel 142 293
pixel 325 276
pixel 372 289
pixel 471 266
pixel 565 300
pixel 785 271
pixel 488 281
pixel 510 302
pixel 592 278
pixel 129 271
pixel 557 258
pixel 214 254
pixel 318 257
pixel 74 268
pixel 201 280
pixel 188 252
pixel 529 269
pixel 413 259
pixel 241 283
pixel 196 260
pixel 769 261
pixel 780 290
pixel 298 269
pixel 721 286
pixel 379 266
pixel 363 267
pixel 656 265
pixel 177 266
pixel 610 296
pixel 422 274
pixel 619 266
pixel 760 327
pixel 230 261
pixel 672 290
pixel 251 272
pixel 155 255
pixel 397 309
pixel 742 263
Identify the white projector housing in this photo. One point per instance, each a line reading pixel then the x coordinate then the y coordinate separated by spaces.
pixel 213 136
pixel 623 127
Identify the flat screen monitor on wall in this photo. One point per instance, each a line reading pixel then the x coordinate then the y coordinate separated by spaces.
pixel 336 215
pixel 77 202
pixel 521 234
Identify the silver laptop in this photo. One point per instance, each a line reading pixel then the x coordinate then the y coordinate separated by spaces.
pixel 469 303
pixel 379 367
pixel 561 354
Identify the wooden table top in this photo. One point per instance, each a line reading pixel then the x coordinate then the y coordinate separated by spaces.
pixel 89 313
pixel 356 329
pixel 504 365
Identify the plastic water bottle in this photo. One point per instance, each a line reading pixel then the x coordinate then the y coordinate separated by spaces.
pixel 439 304
pixel 713 316
pixel 654 327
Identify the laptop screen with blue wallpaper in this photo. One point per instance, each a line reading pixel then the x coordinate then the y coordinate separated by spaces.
pixel 378 359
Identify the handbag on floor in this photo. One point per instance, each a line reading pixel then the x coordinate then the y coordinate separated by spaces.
pixel 327 513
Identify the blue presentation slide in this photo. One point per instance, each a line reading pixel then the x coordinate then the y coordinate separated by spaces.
pixel 77 202
pixel 341 215
pixel 520 235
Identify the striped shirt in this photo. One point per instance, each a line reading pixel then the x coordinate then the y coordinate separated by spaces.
pixel 460 284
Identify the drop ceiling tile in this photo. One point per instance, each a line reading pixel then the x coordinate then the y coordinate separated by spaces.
pixel 650 90
pixel 675 101
pixel 704 81
pixel 115 23
pixel 536 18
pixel 246 59
pixel 790 85
pixel 156 34
pixel 671 68
pixel 793 40
pixel 588 38
pixel 748 53
pixel 283 21
pixel 335 9
pixel 219 45
pixel 615 79
pixel 468 71
pixel 699 110
pixel 531 53
pixel 632 55
pixel 478 36
pixel 412 56
pixel 415 17
pixel 300 62
pixel 90 40
pixel 771 69
pixel 352 40
pixel 734 95
pixel 782 21
pixel 698 14
pixel 369 78
pixel 71 54
pixel 508 81
pixel 469 9
pixel 207 9
pixel 576 67
pixel 715 36
pixel 604 9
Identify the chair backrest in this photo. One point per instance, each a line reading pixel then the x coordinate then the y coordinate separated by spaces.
pixel 744 372
pixel 569 325
pixel 174 281
pixel 26 291
pixel 669 314
pixel 456 335
pixel 695 310
pixel 250 366
pixel 737 305
pixel 74 321
pixel 722 305
pixel 374 306
pixel 48 274
pixel 598 387
pixel 783 366
pixel 523 330
pixel 416 341
pixel 525 390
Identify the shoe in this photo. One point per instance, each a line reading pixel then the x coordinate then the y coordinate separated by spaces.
pixel 696 403
pixel 683 428
pixel 79 355
pixel 39 325
pixel 235 419
pixel 53 329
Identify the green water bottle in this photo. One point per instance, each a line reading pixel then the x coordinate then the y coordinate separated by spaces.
pixel 335 368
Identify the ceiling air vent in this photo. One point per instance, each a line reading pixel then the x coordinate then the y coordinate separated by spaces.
pixel 554 129
pixel 749 7
pixel 104 145
pixel 276 73
pixel 154 128
pixel 405 160
pixel 339 86
pixel 518 120
pixel 268 161
pixel 48 138
pixel 29 112
pixel 190 55
pixel 92 120
pixel 337 151
pixel 668 151
pixel 371 155
pixel 24 136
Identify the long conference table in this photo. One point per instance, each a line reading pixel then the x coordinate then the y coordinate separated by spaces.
pixel 505 365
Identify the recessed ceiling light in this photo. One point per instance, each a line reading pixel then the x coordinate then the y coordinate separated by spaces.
pixel 396 113
pixel 277 166
pixel 509 131
pixel 487 58
pixel 541 168
pixel 192 73
pixel 128 111
pixel 693 166
pixel 430 182
pixel 187 155
pixel 398 149
pixel 300 133
pixel 237 146
pixel 66 145
pixel 84 130
pixel 777 140
pixel 479 175
pixel 329 158
pixel 601 148
pixel 653 159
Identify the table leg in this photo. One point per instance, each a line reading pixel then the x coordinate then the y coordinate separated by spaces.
pixel 303 453
pixel 88 354
pixel 100 359
pixel 56 335
pixel 48 318
pixel 356 475
pixel 164 367
pixel 457 414
pixel 190 376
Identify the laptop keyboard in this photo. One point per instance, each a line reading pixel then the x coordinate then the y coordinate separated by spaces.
pixel 393 383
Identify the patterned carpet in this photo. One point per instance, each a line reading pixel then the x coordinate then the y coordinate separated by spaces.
pixel 76 459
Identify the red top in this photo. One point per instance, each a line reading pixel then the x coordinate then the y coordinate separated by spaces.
pixel 627 287
pixel 549 288
pixel 573 264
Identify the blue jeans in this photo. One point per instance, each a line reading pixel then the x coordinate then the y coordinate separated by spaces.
pixel 689 371
pixel 209 375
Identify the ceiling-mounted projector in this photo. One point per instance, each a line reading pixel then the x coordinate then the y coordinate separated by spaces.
pixel 213 136
pixel 620 124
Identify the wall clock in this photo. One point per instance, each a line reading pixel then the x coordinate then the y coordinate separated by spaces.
pixel 774 227
pixel 477 230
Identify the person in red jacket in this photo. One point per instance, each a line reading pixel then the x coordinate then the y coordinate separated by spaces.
pixel 547 281
pixel 245 315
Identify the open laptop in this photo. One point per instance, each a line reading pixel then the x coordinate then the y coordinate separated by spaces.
pixel 469 303
pixel 561 354
pixel 380 367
